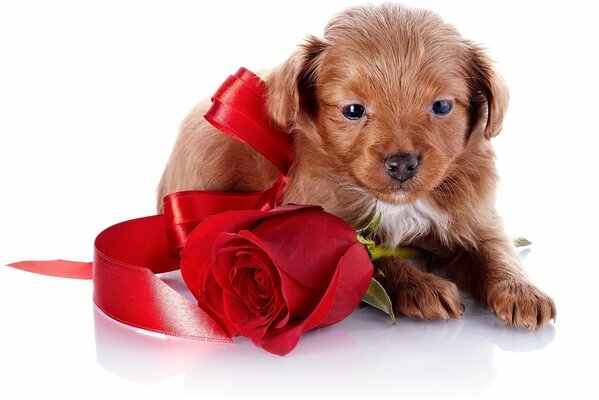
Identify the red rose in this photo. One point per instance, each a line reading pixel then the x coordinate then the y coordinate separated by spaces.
pixel 272 275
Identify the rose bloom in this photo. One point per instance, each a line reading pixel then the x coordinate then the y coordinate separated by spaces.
pixel 272 275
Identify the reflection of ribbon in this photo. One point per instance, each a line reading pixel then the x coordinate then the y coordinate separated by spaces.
pixel 128 255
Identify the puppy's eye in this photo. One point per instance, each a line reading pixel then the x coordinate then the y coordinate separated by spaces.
pixel 353 111
pixel 442 107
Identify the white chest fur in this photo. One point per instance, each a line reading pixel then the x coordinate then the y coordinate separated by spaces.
pixel 403 223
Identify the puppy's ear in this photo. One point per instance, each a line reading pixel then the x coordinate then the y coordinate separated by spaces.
pixel 489 98
pixel 291 86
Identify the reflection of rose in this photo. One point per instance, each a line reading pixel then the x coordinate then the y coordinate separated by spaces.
pixel 272 275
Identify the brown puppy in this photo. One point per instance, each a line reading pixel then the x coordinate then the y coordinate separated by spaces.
pixel 391 107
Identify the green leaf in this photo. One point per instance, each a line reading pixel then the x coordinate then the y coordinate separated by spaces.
pixel 377 297
pixel 521 242
pixel 373 222
pixel 369 219
pixel 377 252
pixel 371 228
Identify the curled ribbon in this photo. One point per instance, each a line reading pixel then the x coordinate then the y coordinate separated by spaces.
pixel 128 255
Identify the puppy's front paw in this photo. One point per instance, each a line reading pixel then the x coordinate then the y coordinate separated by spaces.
pixel 519 303
pixel 428 297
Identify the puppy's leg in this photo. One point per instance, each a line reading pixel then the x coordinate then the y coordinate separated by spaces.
pixel 419 294
pixel 494 276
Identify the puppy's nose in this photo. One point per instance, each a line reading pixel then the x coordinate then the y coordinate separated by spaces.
pixel 402 166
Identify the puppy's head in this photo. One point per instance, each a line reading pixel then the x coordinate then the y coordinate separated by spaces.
pixel 392 96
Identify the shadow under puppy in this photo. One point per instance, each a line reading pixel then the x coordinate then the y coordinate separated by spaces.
pixel 391 107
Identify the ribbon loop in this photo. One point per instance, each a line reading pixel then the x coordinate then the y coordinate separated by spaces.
pixel 239 110
pixel 127 256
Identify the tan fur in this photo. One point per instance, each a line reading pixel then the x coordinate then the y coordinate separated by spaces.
pixel 396 62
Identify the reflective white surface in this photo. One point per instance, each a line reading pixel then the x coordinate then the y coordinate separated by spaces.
pixel 55 341
pixel 90 101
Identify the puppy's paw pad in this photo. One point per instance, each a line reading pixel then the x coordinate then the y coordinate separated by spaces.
pixel 519 303
pixel 428 298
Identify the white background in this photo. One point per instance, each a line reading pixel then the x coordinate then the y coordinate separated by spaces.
pixel 91 96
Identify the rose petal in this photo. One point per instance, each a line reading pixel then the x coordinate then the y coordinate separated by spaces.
pixel 310 241
pixel 193 268
pixel 211 301
pixel 355 273
pixel 283 341
pixel 235 309
pixel 252 326
pixel 300 299
pixel 346 289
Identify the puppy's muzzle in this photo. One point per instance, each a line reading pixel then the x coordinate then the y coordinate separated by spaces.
pixel 402 166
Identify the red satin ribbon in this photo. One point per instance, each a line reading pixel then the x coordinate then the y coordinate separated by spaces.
pixel 128 255
pixel 59 268
pixel 239 110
